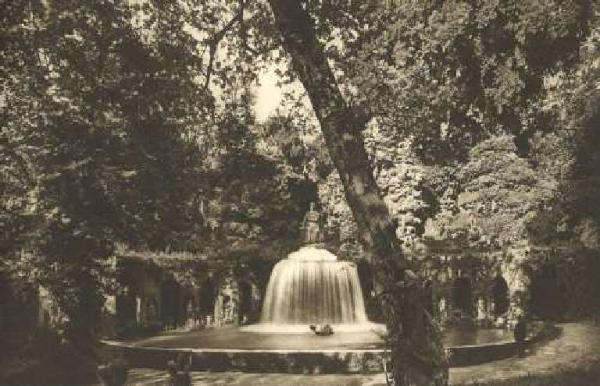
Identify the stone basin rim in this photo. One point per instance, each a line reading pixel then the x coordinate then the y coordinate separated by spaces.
pixel 116 343
pixel 337 361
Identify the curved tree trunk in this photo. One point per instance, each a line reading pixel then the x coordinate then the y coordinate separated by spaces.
pixel 417 353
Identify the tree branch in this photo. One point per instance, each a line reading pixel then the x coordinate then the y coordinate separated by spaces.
pixel 213 42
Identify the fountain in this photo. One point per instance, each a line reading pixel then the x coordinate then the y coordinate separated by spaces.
pixel 310 286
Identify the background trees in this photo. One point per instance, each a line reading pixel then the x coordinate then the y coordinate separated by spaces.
pixel 458 71
pixel 255 194
pixel 111 135
pixel 442 78
pixel 93 124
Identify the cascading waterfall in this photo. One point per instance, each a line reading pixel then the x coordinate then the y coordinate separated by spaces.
pixel 312 287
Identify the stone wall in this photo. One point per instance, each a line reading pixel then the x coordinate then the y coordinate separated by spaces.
pixel 488 287
pixel 150 299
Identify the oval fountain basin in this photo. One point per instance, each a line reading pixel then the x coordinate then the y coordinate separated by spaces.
pixel 240 349
pixel 244 338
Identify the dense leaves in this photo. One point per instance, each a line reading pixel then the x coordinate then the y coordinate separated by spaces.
pixel 255 194
pixel 575 159
pixel 489 89
pixel 450 73
pixel 93 126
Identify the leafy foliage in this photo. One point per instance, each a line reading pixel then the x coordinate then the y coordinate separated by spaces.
pixel 254 193
pixel 91 152
pixel 451 73
pixel 573 213
pixel 497 195
pixel 476 87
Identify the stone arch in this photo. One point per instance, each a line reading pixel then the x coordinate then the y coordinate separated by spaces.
pixel 170 299
pixel 189 306
pixel 500 295
pixel 126 311
pixel 208 295
pixel 245 293
pixel 462 295
pixel 151 312
pixel 546 294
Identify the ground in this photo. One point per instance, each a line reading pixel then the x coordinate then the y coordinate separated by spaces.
pixel 578 345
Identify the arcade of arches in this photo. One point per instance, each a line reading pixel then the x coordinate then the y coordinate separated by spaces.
pixel 151 298
pixel 490 288
pixel 486 287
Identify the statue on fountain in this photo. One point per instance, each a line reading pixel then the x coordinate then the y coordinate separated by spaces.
pixel 312 226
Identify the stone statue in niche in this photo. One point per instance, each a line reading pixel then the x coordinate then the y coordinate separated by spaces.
pixel 190 315
pixel 481 311
pixel 150 312
pixel 442 309
pixel 139 317
pixel 229 311
pixel 312 226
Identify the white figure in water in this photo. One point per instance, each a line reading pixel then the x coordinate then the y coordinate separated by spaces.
pixel 442 308
pixel 481 312
pixel 139 318
pixel 190 315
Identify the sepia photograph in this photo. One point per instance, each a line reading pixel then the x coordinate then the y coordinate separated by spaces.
pixel 300 192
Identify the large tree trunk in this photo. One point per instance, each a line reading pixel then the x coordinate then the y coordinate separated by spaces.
pixel 417 353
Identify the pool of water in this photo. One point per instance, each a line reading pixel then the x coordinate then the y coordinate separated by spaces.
pixel 247 339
